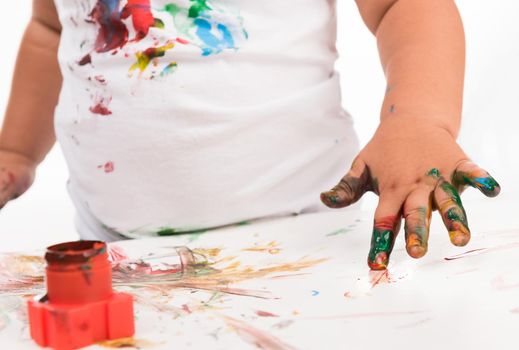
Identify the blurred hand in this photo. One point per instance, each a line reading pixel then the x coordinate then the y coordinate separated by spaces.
pixel 16 175
pixel 414 167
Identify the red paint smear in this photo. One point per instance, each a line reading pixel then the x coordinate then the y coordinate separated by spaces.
pixel 142 18
pixel 101 106
pixel 108 167
pixel 116 253
pixel 462 255
pixel 379 277
pixel 265 314
pixel 185 307
pixel 87 59
pixel 387 222
pixel 100 79
pixel 112 33
pixel 500 284
pixel 182 41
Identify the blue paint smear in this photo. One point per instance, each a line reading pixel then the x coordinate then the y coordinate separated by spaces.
pixel 213 43
pixel 315 293
pixel 111 5
pixel 484 181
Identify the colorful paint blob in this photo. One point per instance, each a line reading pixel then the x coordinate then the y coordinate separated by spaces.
pixel 212 28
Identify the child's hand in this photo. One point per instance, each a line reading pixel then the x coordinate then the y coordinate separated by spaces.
pixel 16 175
pixel 415 167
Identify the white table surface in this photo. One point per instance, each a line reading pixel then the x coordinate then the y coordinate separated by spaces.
pixel 303 283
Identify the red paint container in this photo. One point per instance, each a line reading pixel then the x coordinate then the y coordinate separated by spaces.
pixel 80 307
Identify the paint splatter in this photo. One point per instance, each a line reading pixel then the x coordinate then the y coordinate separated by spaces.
pixel 466 254
pixel 100 79
pixel 265 314
pixel 255 336
pixel 142 17
pixel 129 342
pixel 271 248
pixel 338 232
pixel 112 33
pixel 178 268
pixel 101 105
pixel 145 57
pixel 379 277
pixel 87 59
pixel 108 167
pixel 170 68
pixel 199 24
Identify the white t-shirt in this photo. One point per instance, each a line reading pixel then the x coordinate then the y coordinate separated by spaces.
pixel 179 115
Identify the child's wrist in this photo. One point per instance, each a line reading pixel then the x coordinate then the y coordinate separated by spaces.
pixel 415 125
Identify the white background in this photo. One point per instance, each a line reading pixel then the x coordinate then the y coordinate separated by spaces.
pixel 491 116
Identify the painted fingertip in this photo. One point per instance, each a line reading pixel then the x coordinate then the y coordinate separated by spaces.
pixel 488 185
pixel 415 246
pixel 380 262
pixel 416 251
pixel 331 199
pixel 459 238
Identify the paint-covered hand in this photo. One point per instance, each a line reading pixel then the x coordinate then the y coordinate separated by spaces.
pixel 414 168
pixel 16 175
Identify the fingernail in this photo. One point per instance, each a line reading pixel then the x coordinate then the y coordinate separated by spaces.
pixel 380 262
pixel 487 185
pixel 459 238
pixel 416 251
pixel 381 246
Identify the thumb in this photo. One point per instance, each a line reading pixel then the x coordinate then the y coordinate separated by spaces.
pixel 351 187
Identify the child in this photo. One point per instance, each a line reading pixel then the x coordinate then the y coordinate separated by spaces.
pixel 180 115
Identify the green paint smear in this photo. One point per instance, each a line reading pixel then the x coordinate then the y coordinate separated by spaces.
pixel 453 214
pixel 451 191
pixel 157 23
pixel 334 198
pixel 172 9
pixel 169 231
pixel 434 172
pixel 198 7
pixel 166 231
pixel 183 23
pixel 338 232
pixel 381 241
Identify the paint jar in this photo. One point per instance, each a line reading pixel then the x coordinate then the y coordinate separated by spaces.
pixel 80 307
pixel 78 272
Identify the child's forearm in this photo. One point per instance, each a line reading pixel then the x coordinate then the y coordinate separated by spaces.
pixel 28 127
pixel 422 50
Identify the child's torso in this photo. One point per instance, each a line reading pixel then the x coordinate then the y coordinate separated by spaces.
pixel 167 101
